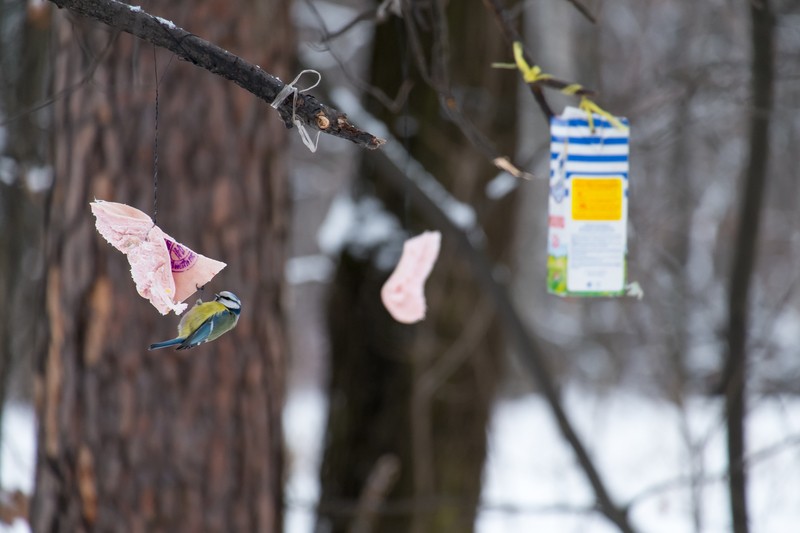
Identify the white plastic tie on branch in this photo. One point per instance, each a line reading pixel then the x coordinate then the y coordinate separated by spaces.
pixel 284 93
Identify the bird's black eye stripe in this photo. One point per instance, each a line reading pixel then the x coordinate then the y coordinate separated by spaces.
pixel 231 304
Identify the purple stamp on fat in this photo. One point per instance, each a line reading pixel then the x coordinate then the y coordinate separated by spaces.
pixel 181 258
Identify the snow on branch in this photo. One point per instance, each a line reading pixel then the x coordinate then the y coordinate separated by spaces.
pixel 190 47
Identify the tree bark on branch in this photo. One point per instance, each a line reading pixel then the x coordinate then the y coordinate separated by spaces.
pixel 190 47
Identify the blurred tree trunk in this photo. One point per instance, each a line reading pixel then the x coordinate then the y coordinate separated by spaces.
pixel 132 440
pixel 744 258
pixel 24 179
pixel 409 404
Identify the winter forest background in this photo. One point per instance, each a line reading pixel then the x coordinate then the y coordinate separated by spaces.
pixel 507 409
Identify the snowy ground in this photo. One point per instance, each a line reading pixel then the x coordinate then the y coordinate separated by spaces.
pixel 17 455
pixel 641 447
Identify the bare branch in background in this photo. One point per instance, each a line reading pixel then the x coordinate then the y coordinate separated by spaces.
pixel 678 482
pixel 403 507
pixel 187 46
pixel 583 10
pixel 512 35
pixel 392 104
pixel 437 76
pixel 381 479
pixel 378 15
pixel 87 75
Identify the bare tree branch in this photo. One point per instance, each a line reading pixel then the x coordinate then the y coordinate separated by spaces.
pixel 437 76
pixel 392 104
pixel 512 35
pixel 381 479
pixel 583 10
pixel 187 46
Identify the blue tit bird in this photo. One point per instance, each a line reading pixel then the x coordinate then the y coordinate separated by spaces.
pixel 205 322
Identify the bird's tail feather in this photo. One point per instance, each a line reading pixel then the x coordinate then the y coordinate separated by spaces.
pixel 164 344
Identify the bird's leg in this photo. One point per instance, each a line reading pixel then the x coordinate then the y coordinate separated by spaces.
pixel 200 289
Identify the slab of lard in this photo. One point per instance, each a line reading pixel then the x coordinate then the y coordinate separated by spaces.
pixel 165 271
pixel 403 294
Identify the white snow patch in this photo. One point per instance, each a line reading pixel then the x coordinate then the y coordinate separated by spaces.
pixel 360 225
pixel 18 447
pixel 138 9
pixel 532 482
pixel 8 170
pixel 39 178
pixel 309 268
pixel 168 23
pixel 303 426
pixel 332 234
pixel 786 329
pixel 18 455
pixel 501 185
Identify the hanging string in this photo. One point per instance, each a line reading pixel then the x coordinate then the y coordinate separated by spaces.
pixel 284 93
pixel 402 44
pixel 155 144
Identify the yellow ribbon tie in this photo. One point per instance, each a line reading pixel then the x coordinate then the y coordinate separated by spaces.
pixel 531 74
pixel 572 88
pixel 590 108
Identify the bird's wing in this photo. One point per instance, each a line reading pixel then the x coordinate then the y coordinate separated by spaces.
pixel 197 316
pixel 226 320
pixel 198 336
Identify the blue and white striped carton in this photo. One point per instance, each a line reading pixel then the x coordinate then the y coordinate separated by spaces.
pixel 588 205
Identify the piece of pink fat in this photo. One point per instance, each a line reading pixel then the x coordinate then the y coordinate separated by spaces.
pixel 133 233
pixel 165 271
pixel 403 294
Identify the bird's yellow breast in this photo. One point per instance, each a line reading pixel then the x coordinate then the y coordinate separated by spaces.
pixel 198 314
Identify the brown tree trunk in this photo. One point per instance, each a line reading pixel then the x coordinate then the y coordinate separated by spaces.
pixel 24 67
pixel 132 440
pixel 421 394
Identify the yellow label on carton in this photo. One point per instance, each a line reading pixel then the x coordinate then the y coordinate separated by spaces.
pixel 596 198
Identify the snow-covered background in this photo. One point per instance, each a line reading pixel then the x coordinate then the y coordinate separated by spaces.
pixel 17 455
pixel 669 462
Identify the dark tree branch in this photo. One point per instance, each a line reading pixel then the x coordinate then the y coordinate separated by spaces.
pixel 392 104
pixel 512 35
pixel 438 78
pixel 583 10
pixel 744 257
pixel 204 54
